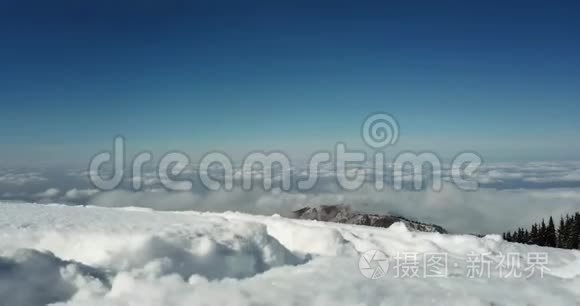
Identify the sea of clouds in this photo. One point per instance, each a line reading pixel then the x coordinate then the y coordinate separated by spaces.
pixel 509 195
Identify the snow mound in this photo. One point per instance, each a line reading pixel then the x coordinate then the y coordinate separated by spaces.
pixel 103 256
pixel 27 274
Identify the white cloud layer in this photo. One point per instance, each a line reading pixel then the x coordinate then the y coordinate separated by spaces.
pixel 21 178
pixel 484 211
pixel 80 194
pixel 511 195
pixel 48 194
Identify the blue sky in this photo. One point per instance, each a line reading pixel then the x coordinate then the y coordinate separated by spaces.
pixel 499 77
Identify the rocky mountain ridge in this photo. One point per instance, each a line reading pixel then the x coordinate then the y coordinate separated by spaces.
pixel 344 214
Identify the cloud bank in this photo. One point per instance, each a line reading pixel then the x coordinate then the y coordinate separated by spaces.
pixel 510 195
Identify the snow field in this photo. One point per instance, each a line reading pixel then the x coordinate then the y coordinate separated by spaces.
pixel 102 256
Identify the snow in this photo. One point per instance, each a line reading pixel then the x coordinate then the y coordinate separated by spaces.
pixel 68 255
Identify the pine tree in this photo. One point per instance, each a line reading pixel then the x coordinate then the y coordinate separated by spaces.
pixel 534 234
pixel 567 235
pixel 551 239
pixel 562 234
pixel 574 232
pixel 542 234
pixel 577 228
pixel 568 225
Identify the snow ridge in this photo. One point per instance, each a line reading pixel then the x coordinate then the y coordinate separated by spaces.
pixel 102 256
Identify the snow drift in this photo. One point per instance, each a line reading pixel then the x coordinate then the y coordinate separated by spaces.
pixel 62 255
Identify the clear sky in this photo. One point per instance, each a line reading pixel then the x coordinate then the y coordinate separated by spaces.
pixel 499 77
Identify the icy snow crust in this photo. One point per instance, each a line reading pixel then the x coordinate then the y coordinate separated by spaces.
pixel 102 256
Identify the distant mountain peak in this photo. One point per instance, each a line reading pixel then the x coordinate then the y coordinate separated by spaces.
pixel 341 213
